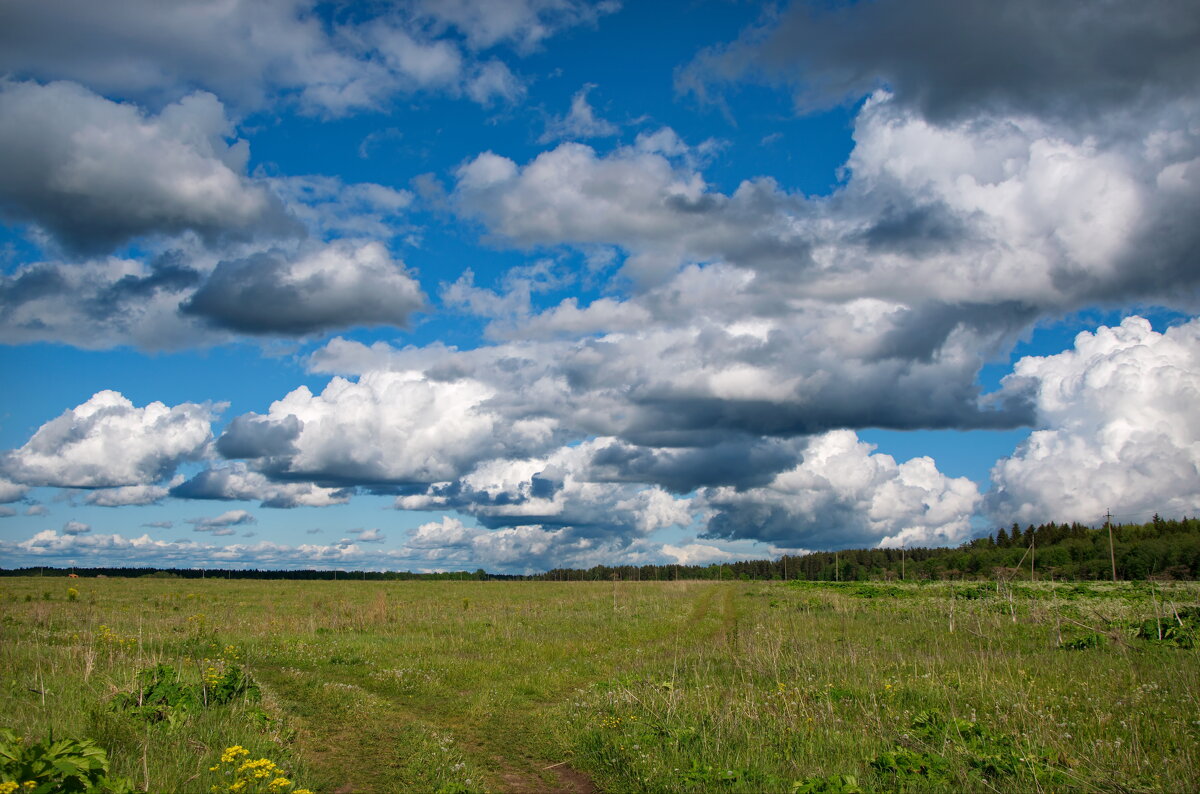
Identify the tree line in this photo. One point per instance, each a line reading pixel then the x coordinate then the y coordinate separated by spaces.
pixel 1160 548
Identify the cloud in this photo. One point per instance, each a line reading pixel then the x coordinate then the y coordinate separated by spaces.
pixel 259 53
pixel 388 427
pixel 329 207
pixel 189 295
pixel 524 23
pixel 237 482
pixel 115 549
pixel 338 285
pixel 160 524
pixel 983 212
pixel 7 512
pixel 37 510
pixel 368 535
pixel 956 59
pixel 107 442
pixel 426 64
pixel 1118 428
pixel 580 122
pixel 698 554
pixel 709 369
pixel 75 528
pixel 522 548
pixel 493 81
pixel 741 461
pixel 128 495
pixel 101 304
pixel 96 173
pixel 11 491
pixel 842 495
pixel 558 490
pixel 239 49
pixel 221 525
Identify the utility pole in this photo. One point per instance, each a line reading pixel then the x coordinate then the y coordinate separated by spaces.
pixel 1112 555
pixel 1032 556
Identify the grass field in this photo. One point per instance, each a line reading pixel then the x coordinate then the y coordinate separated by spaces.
pixel 626 686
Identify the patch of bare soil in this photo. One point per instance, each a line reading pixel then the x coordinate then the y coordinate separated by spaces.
pixel 559 778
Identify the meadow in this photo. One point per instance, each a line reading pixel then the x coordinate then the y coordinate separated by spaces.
pixel 683 686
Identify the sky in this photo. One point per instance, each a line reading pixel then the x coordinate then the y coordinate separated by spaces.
pixel 522 284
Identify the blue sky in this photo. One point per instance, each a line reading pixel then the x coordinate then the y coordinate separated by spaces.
pixel 530 283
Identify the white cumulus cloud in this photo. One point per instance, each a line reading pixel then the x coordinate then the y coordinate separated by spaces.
pixel 108 442
pixel 1118 428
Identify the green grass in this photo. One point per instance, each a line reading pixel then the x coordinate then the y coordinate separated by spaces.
pixel 633 686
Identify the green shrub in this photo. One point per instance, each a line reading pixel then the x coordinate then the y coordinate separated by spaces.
pixel 65 765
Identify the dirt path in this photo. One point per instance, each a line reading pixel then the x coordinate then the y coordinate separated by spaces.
pixel 350 751
pixel 558 778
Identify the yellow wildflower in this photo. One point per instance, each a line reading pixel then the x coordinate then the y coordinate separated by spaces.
pixel 231 754
pixel 8 787
pixel 279 783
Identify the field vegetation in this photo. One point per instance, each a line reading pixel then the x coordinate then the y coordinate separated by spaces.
pixel 675 686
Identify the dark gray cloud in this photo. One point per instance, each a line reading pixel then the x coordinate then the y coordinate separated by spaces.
pixel 167 274
pixel 216 524
pixel 251 436
pixel 919 230
pixel 739 462
pixel 238 482
pixel 102 303
pixel 336 286
pixel 97 173
pixel 922 330
pixel 126 292
pixel 951 59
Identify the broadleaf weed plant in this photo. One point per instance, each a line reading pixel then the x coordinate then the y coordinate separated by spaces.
pixel 56 765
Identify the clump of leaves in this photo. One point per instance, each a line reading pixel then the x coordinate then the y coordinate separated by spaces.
pixel 1084 642
pixel 65 765
pixel 986 755
pixel 705 775
pixel 1181 629
pixel 161 695
pixel 974 592
pixel 232 684
pixel 828 784
pixel 902 764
